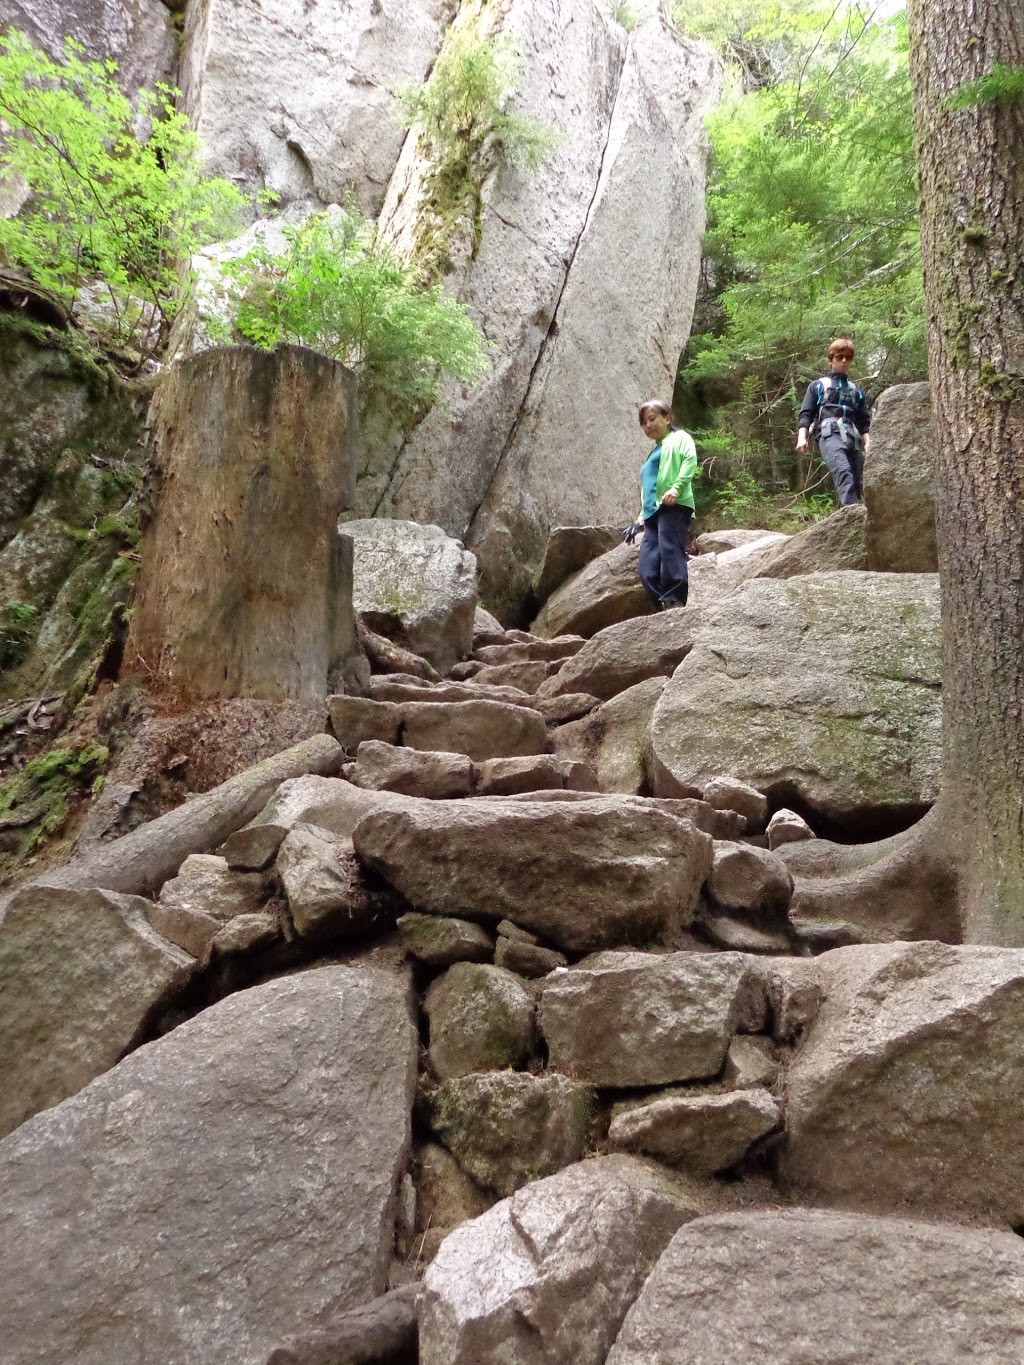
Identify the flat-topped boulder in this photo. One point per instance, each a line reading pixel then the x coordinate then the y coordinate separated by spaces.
pixel 228 1184
pixel 80 972
pixel 628 653
pixel 903 1093
pixel 480 729
pixel 792 1286
pixel 414 583
pixel 583 874
pixel 606 591
pixel 824 687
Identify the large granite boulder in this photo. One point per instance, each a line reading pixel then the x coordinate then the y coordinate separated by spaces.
pixel 569 549
pixel 612 739
pixel 836 542
pixel 415 583
pixel 320 122
pixel 641 1019
pixel 583 874
pixel 899 482
pixel 576 450
pixel 628 653
pixel 823 687
pixel 549 1274
pixel 607 591
pixel 80 973
pixel 904 1092
pixel 220 1188
pixel 795 1286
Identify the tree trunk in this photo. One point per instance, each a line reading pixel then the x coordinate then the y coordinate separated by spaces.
pixel 243 578
pixel 971 165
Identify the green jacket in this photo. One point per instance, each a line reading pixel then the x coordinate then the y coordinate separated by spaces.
pixel 677 469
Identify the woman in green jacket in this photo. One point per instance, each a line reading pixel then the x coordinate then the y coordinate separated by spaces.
pixel 666 485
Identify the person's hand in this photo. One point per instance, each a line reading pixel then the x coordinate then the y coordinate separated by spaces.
pixel 801 441
pixel 671 498
pixel 632 531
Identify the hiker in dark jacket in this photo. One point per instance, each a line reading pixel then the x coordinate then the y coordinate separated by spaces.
pixel 835 414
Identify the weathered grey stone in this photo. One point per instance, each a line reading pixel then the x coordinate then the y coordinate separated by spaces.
pixel 481 729
pixel 786 827
pixel 385 656
pixel 569 549
pixel 508 1127
pixel 412 772
pixel 612 738
pixel 751 880
pixel 330 803
pixel 623 655
pixel 320 122
pixel 825 686
pixel 725 793
pixel 232 1182
pixel 534 649
pixel 703 1133
pixel 80 972
pixel 549 1274
pixel 481 1019
pixel 542 772
pixel 638 1019
pixel 445 1196
pixel 486 628
pixel 738 935
pixel 732 538
pixel 402 688
pixel 583 875
pixel 439 940
pixel 794 1286
pixel 136 34
pixel 751 1062
pixel 527 959
pixel 899 482
pixel 383 1330
pixel 358 719
pixel 419 580
pixel 836 542
pixel 607 591
pixel 558 710
pixel 205 884
pixel 328 893
pixel 252 848
pixel 245 934
pixel 527 674
pixel 907 1071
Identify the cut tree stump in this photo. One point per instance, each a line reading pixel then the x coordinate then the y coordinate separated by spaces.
pixel 244 590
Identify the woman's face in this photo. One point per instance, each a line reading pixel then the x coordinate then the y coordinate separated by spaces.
pixel 655 424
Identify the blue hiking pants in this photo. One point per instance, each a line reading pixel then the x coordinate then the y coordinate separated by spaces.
pixel 663 554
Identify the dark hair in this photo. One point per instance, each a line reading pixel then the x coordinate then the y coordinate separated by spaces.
pixel 657 403
pixel 841 344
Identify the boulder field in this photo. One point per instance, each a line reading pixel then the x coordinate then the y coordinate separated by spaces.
pixel 494 1026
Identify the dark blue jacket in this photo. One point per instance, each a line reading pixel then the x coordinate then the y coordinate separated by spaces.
pixel 834 395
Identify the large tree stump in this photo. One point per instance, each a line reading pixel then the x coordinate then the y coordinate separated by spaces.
pixel 242 590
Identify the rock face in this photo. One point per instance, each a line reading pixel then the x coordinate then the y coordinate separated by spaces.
pixel 637 1019
pixel 136 34
pixel 321 119
pixel 418 582
pixel 797 1286
pixel 824 687
pixel 613 738
pixel 906 1071
pixel 80 971
pixel 548 1274
pixel 899 482
pixel 583 874
pixel 579 412
pixel 295 1099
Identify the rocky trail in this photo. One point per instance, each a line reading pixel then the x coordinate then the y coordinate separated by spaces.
pixel 507 1020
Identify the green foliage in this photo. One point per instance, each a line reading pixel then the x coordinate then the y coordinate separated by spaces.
pixel 16 623
pixel 464 119
pixel 37 799
pixel 338 290
pixel 107 205
pixel 812 223
pixel 1002 85
pixel 623 13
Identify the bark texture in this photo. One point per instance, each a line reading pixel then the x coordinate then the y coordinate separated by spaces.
pixel 241 572
pixel 971 164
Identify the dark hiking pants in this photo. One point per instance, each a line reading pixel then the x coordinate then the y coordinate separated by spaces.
pixel 844 459
pixel 663 554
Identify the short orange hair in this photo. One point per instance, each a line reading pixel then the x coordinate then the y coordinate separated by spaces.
pixel 841 344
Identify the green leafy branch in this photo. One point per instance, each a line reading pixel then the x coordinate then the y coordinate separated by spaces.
pixel 1001 85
